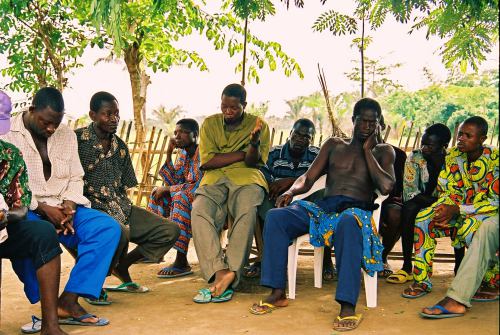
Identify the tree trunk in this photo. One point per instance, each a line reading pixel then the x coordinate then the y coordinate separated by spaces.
pixel 362 51
pixel 139 82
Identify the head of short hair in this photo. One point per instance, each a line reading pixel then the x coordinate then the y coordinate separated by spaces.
pixel 441 131
pixel 48 97
pixel 367 104
pixel 100 97
pixel 480 123
pixel 190 124
pixel 235 91
pixel 304 123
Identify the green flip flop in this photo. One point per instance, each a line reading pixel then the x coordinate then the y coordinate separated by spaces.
pixel 226 296
pixel 101 301
pixel 204 296
pixel 125 287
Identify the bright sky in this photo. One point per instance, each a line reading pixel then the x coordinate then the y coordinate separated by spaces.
pixel 199 92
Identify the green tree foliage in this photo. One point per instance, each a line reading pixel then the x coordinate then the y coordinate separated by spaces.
pixel 468 28
pixel 450 103
pixel 295 108
pixel 166 118
pixel 42 42
pixel 259 109
pixel 378 80
pixel 149 32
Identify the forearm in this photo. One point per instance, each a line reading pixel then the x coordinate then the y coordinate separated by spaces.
pixel 383 181
pixel 252 156
pixel 301 185
pixel 222 160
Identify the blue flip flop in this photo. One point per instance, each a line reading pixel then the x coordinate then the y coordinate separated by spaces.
pixel 78 321
pixel 445 314
pixel 180 272
pixel 226 296
pixel 204 296
pixel 35 326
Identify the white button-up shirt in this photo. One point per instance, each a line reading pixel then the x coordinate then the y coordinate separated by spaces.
pixel 66 180
pixel 3 232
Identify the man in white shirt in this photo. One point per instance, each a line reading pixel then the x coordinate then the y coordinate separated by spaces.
pixel 56 181
pixel 31 244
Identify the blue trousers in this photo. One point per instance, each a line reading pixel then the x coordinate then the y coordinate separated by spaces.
pixel 283 225
pixel 96 238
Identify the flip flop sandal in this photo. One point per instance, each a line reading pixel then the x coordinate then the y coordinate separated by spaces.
pixel 357 318
pixel 445 314
pixel 204 296
pixel 493 297
pixel 399 277
pixel 329 274
pixel 78 321
pixel 420 292
pixel 253 271
pixel 224 297
pixel 101 301
pixel 124 287
pixel 180 272
pixel 33 327
pixel 262 308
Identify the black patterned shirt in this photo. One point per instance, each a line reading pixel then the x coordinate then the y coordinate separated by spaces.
pixel 107 175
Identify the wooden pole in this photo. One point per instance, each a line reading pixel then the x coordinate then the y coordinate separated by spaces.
pixel 493 131
pixel 244 53
pixel 409 135
pixel 402 133
pixel 145 167
pixel 455 133
pixel 387 132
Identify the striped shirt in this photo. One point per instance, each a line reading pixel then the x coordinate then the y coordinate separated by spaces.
pixel 280 163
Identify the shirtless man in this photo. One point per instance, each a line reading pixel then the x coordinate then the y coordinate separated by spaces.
pixel 355 170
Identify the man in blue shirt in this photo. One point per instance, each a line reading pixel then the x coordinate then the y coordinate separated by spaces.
pixel 285 164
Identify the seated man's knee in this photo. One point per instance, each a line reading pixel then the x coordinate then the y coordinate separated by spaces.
pixel 275 219
pixel 411 207
pixel 42 231
pixel 490 225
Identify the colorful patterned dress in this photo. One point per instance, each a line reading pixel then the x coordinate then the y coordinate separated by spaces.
pixel 183 177
pixel 474 188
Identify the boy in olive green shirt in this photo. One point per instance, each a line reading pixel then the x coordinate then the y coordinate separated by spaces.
pixel 233 145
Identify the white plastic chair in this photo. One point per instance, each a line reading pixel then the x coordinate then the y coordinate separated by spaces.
pixel 293 252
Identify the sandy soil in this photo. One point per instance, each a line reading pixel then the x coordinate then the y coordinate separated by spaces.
pixel 168 308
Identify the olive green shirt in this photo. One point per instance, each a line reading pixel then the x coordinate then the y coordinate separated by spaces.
pixel 215 139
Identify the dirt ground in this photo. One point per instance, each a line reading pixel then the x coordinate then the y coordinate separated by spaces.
pixel 168 308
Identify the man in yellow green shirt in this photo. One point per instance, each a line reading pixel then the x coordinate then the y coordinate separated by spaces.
pixel 233 145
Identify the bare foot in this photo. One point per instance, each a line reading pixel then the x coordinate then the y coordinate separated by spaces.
pixel 277 298
pixel 223 279
pixel 54 331
pixel 347 319
pixel 69 307
pixel 451 305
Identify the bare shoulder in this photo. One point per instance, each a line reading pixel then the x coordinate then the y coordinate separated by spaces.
pixel 384 150
pixel 334 142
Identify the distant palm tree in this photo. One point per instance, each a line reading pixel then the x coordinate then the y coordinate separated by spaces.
pixel 296 105
pixel 167 116
pixel 259 109
pixel 316 104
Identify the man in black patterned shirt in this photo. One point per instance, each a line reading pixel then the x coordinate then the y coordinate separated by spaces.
pixel 108 174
